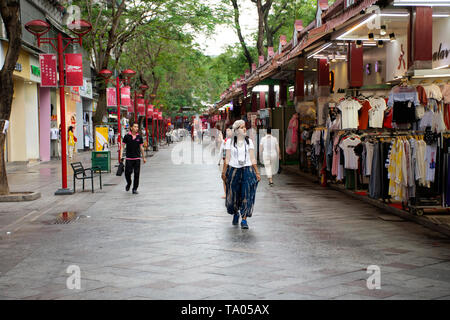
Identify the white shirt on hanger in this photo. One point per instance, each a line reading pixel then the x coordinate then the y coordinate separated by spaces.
pixel 350 117
pixel 351 159
pixel 376 114
pixel 54 133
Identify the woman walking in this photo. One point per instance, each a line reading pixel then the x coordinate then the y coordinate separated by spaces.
pixel 270 153
pixel 223 155
pixel 71 142
pixel 240 173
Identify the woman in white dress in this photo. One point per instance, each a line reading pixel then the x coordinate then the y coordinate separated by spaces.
pixel 270 154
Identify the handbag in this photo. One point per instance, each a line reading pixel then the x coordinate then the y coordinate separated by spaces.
pixel 120 169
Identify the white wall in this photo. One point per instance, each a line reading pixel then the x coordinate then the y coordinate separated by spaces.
pixel 31 121
pixel 79 127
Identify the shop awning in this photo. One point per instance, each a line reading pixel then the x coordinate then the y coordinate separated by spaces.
pixel 308 36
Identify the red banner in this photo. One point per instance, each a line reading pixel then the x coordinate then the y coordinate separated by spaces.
pixel 131 109
pixel 160 117
pixel 150 111
pixel 74 69
pixel 125 97
pixel 111 97
pixel 141 107
pixel 48 70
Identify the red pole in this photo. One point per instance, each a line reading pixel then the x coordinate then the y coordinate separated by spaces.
pixel 157 130
pixel 146 120
pixel 62 105
pixel 135 107
pixel 119 128
pixel 153 127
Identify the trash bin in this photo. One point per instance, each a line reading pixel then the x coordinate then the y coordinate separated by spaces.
pixel 102 159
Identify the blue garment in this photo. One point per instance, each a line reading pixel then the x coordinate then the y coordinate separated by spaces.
pixel 403 95
pixel 241 190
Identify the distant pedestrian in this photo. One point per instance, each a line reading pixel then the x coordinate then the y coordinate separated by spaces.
pixel 111 136
pixel 134 144
pixel 241 175
pixel 71 142
pixel 270 154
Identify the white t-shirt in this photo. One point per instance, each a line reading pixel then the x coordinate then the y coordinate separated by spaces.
pixel 269 145
pixel 350 117
pixel 239 153
pixel 351 159
pixel 54 133
pixel 376 114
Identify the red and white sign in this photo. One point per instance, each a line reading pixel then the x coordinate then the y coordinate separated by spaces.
pixel 48 70
pixel 74 69
pixel 125 97
pixel 160 117
pixel 130 109
pixel 141 107
pixel 150 111
pixel 111 97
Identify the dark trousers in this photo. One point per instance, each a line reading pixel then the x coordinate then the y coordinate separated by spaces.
pixel 130 166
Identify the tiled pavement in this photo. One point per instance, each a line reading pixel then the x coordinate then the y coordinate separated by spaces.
pixel 175 241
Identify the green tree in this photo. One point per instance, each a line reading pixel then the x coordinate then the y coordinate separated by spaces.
pixel 10 14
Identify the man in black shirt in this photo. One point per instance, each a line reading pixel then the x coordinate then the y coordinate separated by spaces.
pixel 135 150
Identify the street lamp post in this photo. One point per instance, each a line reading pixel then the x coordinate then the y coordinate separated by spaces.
pixel 127 74
pixel 38 28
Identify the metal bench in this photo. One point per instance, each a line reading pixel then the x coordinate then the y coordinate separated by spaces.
pixel 80 173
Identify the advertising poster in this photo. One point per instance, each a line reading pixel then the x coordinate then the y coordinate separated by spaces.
pixel 48 70
pixel 125 96
pixel 74 69
pixel 141 107
pixel 101 138
pixel 111 97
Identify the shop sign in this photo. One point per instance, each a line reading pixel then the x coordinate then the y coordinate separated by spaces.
pixel 35 71
pixel 125 96
pixel 441 54
pixel 441 43
pixel 111 97
pixel 74 69
pixel 48 70
pixel 75 94
pixel 86 88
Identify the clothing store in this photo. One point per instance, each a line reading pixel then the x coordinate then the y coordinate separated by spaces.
pixel 376 112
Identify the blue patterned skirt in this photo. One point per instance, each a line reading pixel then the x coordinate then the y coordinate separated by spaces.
pixel 241 190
